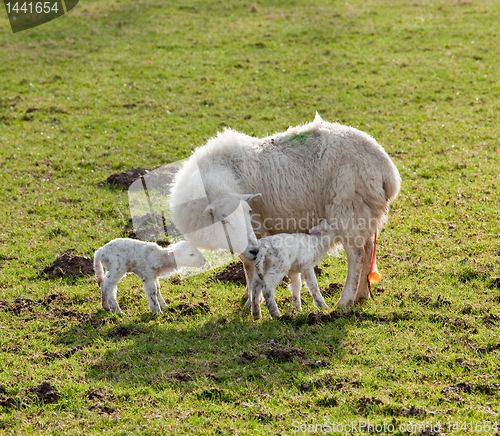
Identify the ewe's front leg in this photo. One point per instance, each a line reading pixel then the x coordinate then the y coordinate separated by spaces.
pixel 312 285
pixel 295 286
pixel 248 267
pixel 150 290
pixel 363 286
pixel 355 261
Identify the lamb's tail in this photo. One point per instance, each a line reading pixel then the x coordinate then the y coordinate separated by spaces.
pixel 98 269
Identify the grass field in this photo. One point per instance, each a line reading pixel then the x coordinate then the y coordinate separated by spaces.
pixel 117 84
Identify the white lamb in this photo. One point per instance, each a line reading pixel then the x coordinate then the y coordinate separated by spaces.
pixel 146 259
pixel 295 253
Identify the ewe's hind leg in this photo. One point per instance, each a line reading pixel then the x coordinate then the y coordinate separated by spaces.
pixel 295 286
pixel 355 261
pixel 159 297
pixel 150 290
pixel 363 288
pixel 312 285
pixel 108 291
pixel 271 280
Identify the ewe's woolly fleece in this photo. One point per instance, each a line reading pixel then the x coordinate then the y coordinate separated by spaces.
pixel 318 170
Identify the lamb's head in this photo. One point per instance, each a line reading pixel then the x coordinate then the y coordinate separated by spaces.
pixel 232 226
pixel 323 228
pixel 186 254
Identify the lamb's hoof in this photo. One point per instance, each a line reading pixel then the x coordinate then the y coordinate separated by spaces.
pixel 257 317
pixel 320 304
pixel 248 304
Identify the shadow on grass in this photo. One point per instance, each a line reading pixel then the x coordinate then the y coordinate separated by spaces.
pixel 187 347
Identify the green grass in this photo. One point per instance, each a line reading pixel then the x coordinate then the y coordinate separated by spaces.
pixel 122 83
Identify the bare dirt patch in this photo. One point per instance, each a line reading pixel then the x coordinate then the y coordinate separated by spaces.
pixel 181 376
pixel 99 394
pixel 46 393
pixel 279 353
pixel 234 272
pixel 61 355
pixel 69 265
pixel 332 289
pixel 7 402
pixel 121 332
pixel 246 358
pixel 124 179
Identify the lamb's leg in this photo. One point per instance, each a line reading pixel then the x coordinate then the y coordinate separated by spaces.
pixel 355 261
pixel 255 296
pixel 104 298
pixel 248 266
pixel 312 285
pixel 363 286
pixel 109 290
pixel 159 297
pixel 295 286
pixel 150 290
pixel 271 280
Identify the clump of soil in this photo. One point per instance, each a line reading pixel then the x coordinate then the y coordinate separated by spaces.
pixel 367 402
pixel 125 179
pixel 460 387
pixel 28 304
pixel 332 289
pixel 61 355
pixel 496 281
pixel 69 265
pixel 280 354
pixel 99 394
pixel 181 376
pixel 7 402
pixel 246 358
pixel 234 272
pixel 46 393
pixel 121 332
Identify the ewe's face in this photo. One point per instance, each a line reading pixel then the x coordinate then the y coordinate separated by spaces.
pixel 232 227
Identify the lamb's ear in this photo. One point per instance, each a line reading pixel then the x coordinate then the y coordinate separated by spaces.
pixel 248 197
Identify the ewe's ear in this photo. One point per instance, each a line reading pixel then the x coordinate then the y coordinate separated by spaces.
pixel 248 197
pixel 208 210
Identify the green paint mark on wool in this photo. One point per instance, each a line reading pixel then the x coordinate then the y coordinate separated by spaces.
pixel 299 139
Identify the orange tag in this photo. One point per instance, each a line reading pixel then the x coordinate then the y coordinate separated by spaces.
pixel 374 277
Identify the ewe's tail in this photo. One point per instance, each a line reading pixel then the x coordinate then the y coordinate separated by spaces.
pixel 99 271
pixel 391 182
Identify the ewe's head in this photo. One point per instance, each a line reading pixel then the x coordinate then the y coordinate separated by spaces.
pixel 232 227
pixel 186 254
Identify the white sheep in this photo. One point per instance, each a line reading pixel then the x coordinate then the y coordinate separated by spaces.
pixel 146 259
pixel 284 253
pixel 310 172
